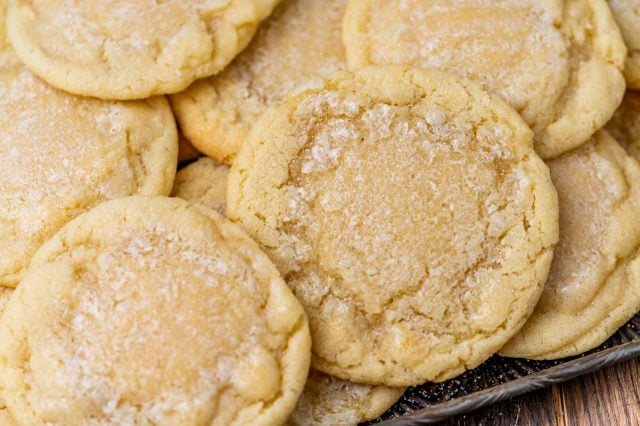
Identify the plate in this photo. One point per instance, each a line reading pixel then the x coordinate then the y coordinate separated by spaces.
pixel 501 378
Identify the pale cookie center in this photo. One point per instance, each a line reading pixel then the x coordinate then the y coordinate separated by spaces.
pixel 394 211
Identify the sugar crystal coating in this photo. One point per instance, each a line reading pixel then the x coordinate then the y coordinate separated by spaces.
pixel 593 287
pixel 297 47
pixel 557 62
pixel 160 312
pixel 63 154
pixel 406 209
pixel 131 49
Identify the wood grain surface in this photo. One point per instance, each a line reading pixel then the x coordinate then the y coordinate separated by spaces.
pixel 609 397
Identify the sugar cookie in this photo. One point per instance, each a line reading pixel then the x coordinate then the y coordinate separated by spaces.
pixel 160 312
pixel 594 284
pixel 557 62
pixel 5 417
pixel 409 213
pixel 131 49
pixel 299 45
pixel 204 182
pixel 328 400
pixel 62 155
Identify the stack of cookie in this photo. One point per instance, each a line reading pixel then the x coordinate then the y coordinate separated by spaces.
pixel 389 193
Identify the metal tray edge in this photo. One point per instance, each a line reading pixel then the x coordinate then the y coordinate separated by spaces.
pixel 535 381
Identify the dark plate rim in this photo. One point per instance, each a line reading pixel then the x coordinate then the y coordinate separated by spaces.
pixel 552 375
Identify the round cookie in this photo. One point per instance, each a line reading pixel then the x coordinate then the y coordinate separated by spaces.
pixel 594 284
pixel 298 46
pixel 627 15
pixel 62 155
pixel 131 49
pixel 204 182
pixel 161 312
pixel 186 151
pixel 409 213
pixel 327 400
pixel 625 124
pixel 557 62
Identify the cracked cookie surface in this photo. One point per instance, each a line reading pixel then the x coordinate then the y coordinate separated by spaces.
pixel 627 16
pixel 298 46
pixel 62 155
pixel 137 328
pixel 133 49
pixel 204 182
pixel 327 400
pixel 625 124
pixel 408 212
pixel 594 283
pixel 558 63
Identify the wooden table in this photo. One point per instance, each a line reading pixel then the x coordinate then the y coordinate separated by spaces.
pixel 609 397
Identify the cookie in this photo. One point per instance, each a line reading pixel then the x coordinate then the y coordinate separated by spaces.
pixel 625 124
pixel 409 213
pixel 204 182
pixel 161 312
pixel 327 400
pixel 558 63
pixel 62 155
pixel 131 49
pixel 627 15
pixel 186 151
pixel 298 46
pixel 594 284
